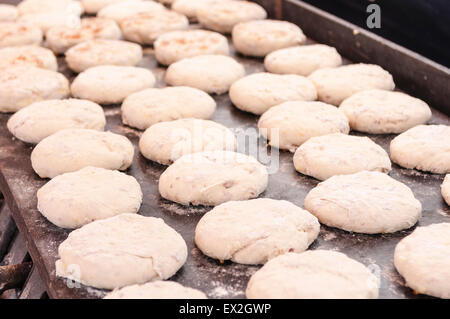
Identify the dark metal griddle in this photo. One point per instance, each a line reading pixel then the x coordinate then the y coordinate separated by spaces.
pixel 19 184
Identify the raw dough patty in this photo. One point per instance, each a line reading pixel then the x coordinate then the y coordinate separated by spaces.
pixel 445 189
pixel 94 6
pixel 383 112
pixel 150 106
pixel 103 52
pixel 59 6
pixel 41 119
pixel 210 73
pixel 339 154
pixel 222 16
pixel 47 20
pixel 127 9
pixel 122 250
pixel 72 200
pixel 8 12
pixel 156 290
pixel 23 85
pixel 72 149
pixel 290 124
pixel 258 92
pixel 254 231
pixel 176 45
pixel 165 142
pixel 28 55
pixel 317 274
pixel 424 147
pixel 423 259
pixel 364 202
pixel 14 34
pixel 260 37
pixel 189 7
pixel 109 84
pixel 302 60
pixel 336 84
pixel 213 178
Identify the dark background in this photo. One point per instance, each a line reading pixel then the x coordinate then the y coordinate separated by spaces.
pixel 422 26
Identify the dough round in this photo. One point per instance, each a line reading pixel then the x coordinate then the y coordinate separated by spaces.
pixel 103 52
pixel 210 73
pixel 302 60
pixel 176 45
pixel 8 13
pixel 60 39
pixel 423 259
pixel 222 16
pixel 23 85
pixel 290 124
pixel 213 178
pixel 258 92
pixel 144 28
pixel 189 7
pixel 314 274
pixel 94 6
pixel 445 189
pixel 260 37
pixel 384 112
pixel 364 202
pixel 59 6
pixel 36 121
pixel 254 231
pixel 336 84
pixel 47 20
pixel 121 250
pixel 109 84
pixel 72 149
pixel 156 290
pixel 127 9
pixel 423 147
pixel 150 106
pixel 28 55
pixel 15 33
pixel 166 142
pixel 72 200
pixel 339 154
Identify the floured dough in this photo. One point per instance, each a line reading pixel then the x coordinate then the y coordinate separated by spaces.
pixel 336 84
pixel 23 85
pixel 150 106
pixel 290 124
pixel 8 12
pixel 364 202
pixel 302 60
pixel 109 84
pixel 28 55
pixel 103 52
pixel 72 200
pixel 260 37
pixel 61 38
pixel 254 231
pixel 380 112
pixel 165 142
pixel 339 154
pixel 423 259
pixel 213 178
pixel 41 119
pixel 15 33
pixel 210 73
pixel 126 9
pixel 122 250
pixel 156 290
pixel 222 16
pixel 316 274
pixel 445 189
pixel 176 45
pixel 424 147
pixel 94 6
pixel 59 6
pixel 72 149
pixel 47 20
pixel 189 7
pixel 258 92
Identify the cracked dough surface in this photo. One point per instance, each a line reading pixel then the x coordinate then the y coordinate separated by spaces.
pixel 156 290
pixel 314 274
pixel 74 199
pixel 28 55
pixel 254 231
pixel 423 147
pixel 122 250
pixel 445 189
pixel 423 259
pixel 213 178
pixel 337 154
pixel 72 149
pixel 364 202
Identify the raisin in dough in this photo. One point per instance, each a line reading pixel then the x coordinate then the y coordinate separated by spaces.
pixel 156 290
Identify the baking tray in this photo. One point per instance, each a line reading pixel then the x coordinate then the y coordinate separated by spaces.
pixel 19 184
